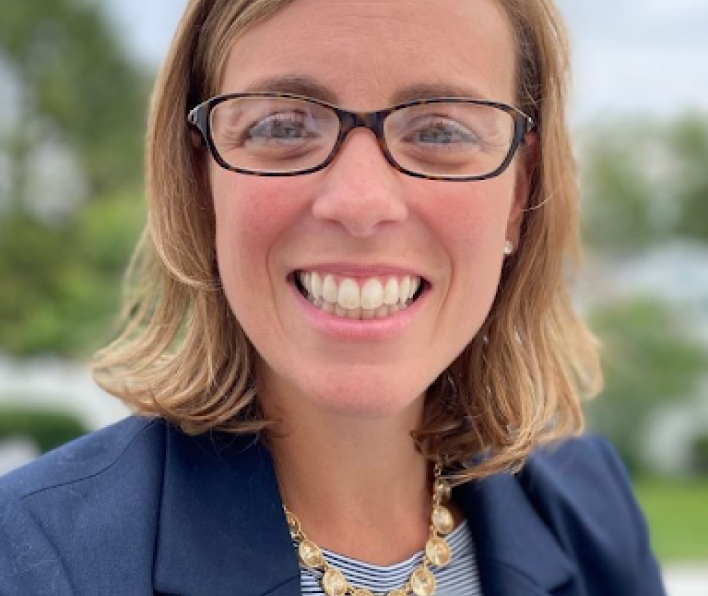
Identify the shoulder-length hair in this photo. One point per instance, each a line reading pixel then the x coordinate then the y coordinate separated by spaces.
pixel 182 354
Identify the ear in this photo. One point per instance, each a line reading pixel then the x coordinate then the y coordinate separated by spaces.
pixel 526 166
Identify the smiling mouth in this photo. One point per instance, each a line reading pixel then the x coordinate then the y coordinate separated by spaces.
pixel 359 299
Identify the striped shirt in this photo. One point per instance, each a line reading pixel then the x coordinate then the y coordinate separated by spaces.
pixel 459 577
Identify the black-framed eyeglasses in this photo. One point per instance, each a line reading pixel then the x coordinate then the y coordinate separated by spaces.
pixel 277 134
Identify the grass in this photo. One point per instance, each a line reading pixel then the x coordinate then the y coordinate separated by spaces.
pixel 677 513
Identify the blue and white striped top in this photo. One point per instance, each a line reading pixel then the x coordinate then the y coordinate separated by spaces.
pixel 459 577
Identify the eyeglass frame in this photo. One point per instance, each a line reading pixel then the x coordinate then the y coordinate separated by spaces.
pixel 199 117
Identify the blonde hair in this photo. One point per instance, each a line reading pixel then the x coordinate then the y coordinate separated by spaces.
pixel 182 354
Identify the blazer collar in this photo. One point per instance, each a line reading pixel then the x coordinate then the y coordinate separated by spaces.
pixel 222 530
pixel 516 551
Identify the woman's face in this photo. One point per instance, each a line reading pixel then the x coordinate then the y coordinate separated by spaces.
pixel 359 222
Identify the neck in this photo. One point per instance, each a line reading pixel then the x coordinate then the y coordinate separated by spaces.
pixel 359 487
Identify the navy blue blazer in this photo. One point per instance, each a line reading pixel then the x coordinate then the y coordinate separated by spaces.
pixel 140 509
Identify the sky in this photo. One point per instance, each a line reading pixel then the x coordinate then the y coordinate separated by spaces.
pixel 630 56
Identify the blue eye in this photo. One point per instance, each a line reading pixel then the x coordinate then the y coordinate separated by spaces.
pixel 439 132
pixel 280 127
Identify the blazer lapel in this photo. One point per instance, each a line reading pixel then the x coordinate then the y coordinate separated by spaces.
pixel 222 530
pixel 516 552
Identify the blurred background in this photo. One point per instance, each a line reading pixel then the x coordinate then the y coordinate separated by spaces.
pixel 75 77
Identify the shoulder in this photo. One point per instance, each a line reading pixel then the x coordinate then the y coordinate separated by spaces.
pixel 588 457
pixel 75 506
pixel 580 489
pixel 88 457
pixel 582 475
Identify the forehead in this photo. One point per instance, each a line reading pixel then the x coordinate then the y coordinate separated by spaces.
pixel 363 54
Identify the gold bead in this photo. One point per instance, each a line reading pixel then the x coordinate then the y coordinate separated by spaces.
pixel 438 551
pixel 442 520
pixel 423 582
pixel 442 489
pixel 334 582
pixel 310 554
pixel 293 524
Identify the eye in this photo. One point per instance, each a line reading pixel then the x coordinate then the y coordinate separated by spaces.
pixel 273 134
pixel 280 128
pixel 438 132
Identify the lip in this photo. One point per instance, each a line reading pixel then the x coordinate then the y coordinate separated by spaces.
pixel 351 329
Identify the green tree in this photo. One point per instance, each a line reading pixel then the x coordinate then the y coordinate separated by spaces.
pixel 645 182
pixel 649 358
pixel 688 140
pixel 76 89
pixel 79 100
pixel 61 285
pixel 49 428
pixel 617 210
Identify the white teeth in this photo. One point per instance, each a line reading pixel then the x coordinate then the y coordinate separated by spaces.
pixel 372 294
pixel 415 284
pixel 391 291
pixel 348 296
pixel 374 298
pixel 315 285
pixel 404 289
pixel 329 289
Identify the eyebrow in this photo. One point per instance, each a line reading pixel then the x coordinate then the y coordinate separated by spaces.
pixel 431 90
pixel 309 87
pixel 295 84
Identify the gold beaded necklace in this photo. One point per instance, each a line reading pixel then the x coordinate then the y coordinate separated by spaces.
pixel 421 581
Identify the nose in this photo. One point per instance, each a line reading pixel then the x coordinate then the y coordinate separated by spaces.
pixel 361 191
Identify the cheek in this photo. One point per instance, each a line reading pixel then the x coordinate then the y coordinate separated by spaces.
pixel 471 227
pixel 248 222
pixel 252 215
pixel 472 219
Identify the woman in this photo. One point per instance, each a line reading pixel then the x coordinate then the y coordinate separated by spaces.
pixel 349 296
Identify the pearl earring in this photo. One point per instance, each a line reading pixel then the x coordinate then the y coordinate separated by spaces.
pixel 508 247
